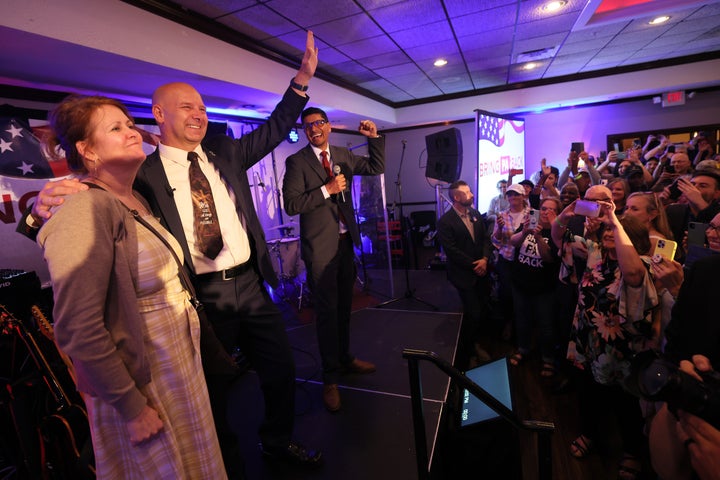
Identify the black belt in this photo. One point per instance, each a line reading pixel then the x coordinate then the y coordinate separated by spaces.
pixel 228 274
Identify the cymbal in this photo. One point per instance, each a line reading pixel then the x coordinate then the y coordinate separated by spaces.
pixel 284 225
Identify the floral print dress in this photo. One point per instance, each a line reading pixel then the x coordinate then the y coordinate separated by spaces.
pixel 612 321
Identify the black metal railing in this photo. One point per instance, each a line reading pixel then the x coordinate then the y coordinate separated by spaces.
pixel 542 430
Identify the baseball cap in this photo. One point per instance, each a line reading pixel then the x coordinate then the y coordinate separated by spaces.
pixel 515 188
pixel 709 164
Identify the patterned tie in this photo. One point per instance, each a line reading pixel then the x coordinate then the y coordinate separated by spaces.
pixel 207 229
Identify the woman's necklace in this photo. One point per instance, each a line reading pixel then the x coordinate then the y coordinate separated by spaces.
pixel 131 201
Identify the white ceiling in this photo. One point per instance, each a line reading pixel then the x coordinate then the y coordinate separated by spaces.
pixel 375 55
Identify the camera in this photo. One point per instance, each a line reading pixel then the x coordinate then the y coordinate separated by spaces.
pixel 655 378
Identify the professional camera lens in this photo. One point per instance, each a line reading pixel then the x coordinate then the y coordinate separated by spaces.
pixel 654 378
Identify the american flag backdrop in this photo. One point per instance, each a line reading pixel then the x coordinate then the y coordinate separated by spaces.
pixel 21 153
pixel 490 129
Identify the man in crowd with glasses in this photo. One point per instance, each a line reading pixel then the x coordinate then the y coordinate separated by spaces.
pixel 316 186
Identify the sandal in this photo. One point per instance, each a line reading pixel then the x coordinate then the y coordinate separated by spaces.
pixel 629 468
pixel 581 446
pixel 548 370
pixel 516 359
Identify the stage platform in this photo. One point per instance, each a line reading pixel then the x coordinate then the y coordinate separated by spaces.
pixel 372 435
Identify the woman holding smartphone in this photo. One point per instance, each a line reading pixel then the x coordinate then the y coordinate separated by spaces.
pixel 614 319
pixel 534 280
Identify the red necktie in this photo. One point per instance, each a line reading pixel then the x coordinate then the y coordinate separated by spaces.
pixel 326 166
pixel 326 163
pixel 207 229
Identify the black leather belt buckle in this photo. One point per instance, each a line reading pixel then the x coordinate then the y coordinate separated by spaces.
pixel 235 271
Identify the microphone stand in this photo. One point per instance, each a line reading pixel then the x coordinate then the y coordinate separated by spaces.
pixel 364 282
pixel 409 292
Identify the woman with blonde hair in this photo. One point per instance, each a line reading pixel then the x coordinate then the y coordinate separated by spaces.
pixel 620 189
pixel 646 207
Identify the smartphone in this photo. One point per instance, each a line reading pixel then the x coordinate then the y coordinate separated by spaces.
pixel 578 147
pixel 637 142
pixel 603 154
pixel 534 218
pixel 669 168
pixel 696 234
pixel 587 208
pixel 620 155
pixel 674 190
pixel 665 249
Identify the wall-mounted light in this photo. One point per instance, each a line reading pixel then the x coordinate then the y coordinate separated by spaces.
pixel 440 62
pixel 293 136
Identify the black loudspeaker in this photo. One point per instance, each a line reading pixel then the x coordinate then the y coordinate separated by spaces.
pixel 444 151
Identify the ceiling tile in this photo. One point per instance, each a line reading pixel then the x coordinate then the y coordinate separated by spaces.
pixel 347 30
pixel 369 46
pixel 499 17
pixel 259 18
pixel 398 17
pixel 418 37
pixel 384 60
pixel 308 14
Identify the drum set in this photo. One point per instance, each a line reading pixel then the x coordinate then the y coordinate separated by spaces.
pixel 289 267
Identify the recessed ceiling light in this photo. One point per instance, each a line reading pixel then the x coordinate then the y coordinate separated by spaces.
pixel 530 66
pixel 659 20
pixel 554 6
pixel 440 62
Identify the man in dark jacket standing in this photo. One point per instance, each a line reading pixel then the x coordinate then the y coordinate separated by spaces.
pixel 466 242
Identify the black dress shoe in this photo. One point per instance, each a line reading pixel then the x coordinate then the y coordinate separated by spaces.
pixel 295 454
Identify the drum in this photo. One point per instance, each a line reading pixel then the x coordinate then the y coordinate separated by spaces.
pixel 285 256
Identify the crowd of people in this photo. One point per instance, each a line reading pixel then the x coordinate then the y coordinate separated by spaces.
pixel 587 277
pixel 577 281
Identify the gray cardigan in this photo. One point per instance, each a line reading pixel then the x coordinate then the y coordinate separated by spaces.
pixel 90 245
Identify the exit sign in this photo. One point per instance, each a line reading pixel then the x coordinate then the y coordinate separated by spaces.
pixel 670 99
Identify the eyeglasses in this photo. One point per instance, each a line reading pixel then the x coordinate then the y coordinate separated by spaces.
pixel 316 123
pixel 545 209
pixel 714 228
pixel 604 199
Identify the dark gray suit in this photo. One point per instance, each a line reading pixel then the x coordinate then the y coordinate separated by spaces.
pixel 328 257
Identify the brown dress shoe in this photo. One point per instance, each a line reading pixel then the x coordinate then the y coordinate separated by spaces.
pixel 331 397
pixel 360 366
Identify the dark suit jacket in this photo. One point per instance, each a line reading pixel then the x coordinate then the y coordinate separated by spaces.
pixel 460 248
pixel 304 175
pixel 694 327
pixel 232 158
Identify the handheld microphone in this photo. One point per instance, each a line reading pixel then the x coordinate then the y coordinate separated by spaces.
pixel 338 171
